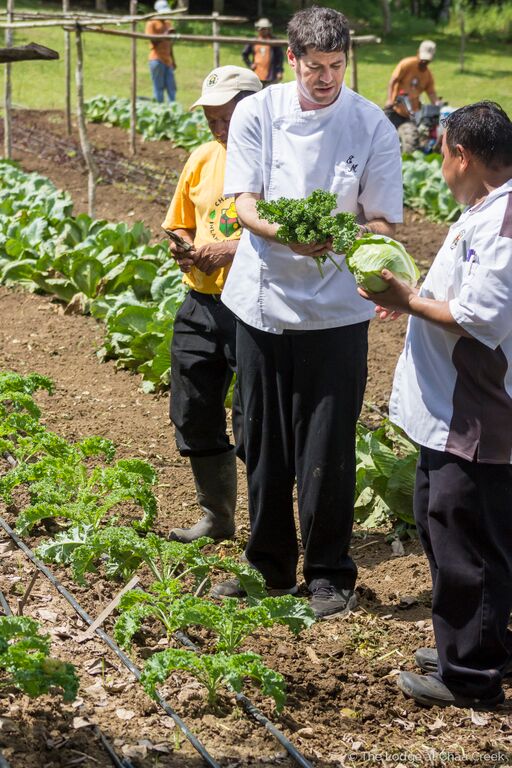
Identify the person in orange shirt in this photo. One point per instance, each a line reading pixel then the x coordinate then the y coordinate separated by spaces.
pixel 161 57
pixel 203 346
pixel 413 77
pixel 266 61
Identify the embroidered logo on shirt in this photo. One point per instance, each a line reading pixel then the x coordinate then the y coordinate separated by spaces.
pixel 353 166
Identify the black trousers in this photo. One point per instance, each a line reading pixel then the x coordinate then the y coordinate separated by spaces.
pixel 463 511
pixel 202 366
pixel 301 395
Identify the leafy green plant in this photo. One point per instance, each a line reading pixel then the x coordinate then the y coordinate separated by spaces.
pixel 229 622
pixel 371 254
pixel 309 220
pixel 154 121
pixel 122 551
pixel 214 671
pixel 25 661
pixel 425 188
pixel 385 476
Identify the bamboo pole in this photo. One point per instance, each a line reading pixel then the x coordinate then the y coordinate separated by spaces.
pixel 67 66
pixel 97 21
pixel 215 33
pixel 176 36
pixel 8 88
pixel 352 60
pixel 82 126
pixel 133 110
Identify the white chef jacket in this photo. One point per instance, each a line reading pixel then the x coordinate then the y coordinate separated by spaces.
pixel 276 149
pixel 451 393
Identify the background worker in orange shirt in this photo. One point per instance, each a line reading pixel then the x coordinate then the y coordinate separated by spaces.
pixel 413 77
pixel 266 61
pixel 161 58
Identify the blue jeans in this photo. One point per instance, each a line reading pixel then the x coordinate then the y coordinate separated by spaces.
pixel 163 80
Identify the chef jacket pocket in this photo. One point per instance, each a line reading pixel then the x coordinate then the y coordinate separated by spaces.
pixel 345 185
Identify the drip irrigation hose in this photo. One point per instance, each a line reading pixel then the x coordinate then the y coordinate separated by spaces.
pixel 209 760
pixel 116 761
pixel 254 712
pixel 5 608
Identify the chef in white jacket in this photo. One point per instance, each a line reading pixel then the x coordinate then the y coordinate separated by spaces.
pixel 301 336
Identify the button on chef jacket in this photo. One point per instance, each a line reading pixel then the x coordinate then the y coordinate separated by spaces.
pixel 276 149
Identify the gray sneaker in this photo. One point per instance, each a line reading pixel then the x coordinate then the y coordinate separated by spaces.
pixel 233 588
pixel 327 602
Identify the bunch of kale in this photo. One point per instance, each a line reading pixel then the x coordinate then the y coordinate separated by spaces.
pixel 309 220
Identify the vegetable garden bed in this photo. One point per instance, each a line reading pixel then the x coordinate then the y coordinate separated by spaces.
pixel 342 699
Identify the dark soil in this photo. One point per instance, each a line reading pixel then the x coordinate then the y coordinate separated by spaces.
pixel 343 705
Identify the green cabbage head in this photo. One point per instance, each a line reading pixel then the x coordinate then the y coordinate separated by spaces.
pixel 371 254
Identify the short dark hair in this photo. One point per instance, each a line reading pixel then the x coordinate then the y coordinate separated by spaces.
pixel 323 29
pixel 484 129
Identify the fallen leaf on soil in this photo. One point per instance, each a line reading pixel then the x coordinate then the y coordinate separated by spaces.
pixel 6 547
pixel 160 747
pixel 77 702
pixel 98 666
pixel 135 750
pixel 125 714
pixel 407 601
pixel 437 725
pixel 397 548
pixel 46 615
pixel 312 655
pixel 407 725
pixel 347 712
pixel 305 733
pixel 80 722
pixel 167 722
pixel 478 719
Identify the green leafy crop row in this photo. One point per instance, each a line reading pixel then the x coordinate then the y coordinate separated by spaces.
pixel 94 266
pixel 154 121
pixel 68 486
pixel 425 188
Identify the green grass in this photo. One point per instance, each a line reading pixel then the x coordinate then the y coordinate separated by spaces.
pixel 107 65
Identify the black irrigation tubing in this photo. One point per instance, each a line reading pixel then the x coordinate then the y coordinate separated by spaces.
pixel 209 760
pixel 117 762
pixel 5 608
pixel 254 712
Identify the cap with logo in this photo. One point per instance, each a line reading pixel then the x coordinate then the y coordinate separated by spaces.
pixel 263 24
pixel 427 50
pixel 162 6
pixel 224 83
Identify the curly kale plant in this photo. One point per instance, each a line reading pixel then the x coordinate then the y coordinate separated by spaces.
pixel 309 220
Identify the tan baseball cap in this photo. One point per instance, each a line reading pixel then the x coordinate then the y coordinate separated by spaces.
pixel 263 24
pixel 224 83
pixel 427 50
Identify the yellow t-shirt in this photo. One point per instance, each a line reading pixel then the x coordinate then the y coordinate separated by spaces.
pixel 413 80
pixel 199 204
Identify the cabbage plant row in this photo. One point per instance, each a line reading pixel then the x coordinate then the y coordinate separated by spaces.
pixel 425 189
pixel 154 121
pixel 107 270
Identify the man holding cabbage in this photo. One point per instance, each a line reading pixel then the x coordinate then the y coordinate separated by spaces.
pixel 302 330
pixel 452 394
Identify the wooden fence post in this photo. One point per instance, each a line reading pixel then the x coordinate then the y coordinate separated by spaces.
pixel 82 126
pixel 67 65
pixel 216 46
pixel 352 58
pixel 133 110
pixel 8 87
